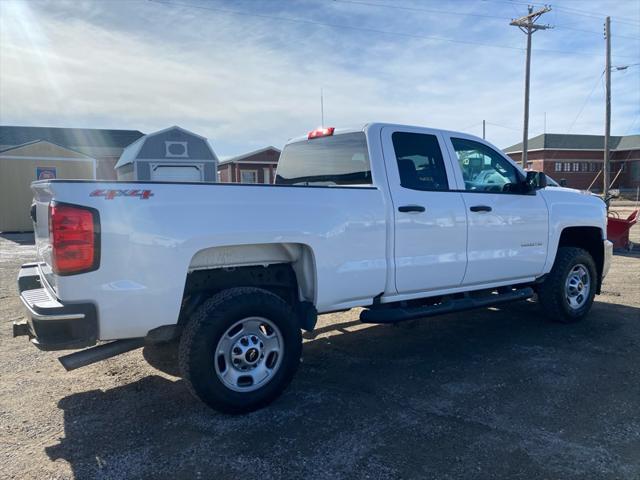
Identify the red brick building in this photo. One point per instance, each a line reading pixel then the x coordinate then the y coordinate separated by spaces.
pixel 578 159
pixel 254 167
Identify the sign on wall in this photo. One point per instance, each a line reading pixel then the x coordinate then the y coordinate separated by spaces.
pixel 45 173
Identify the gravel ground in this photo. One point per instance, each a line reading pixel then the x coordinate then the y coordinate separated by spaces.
pixel 496 393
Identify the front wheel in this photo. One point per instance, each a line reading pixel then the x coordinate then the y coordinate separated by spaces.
pixel 567 293
pixel 240 349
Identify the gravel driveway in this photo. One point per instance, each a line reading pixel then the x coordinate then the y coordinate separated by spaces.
pixel 496 393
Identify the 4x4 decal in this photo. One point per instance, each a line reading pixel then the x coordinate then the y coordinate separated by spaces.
pixel 111 194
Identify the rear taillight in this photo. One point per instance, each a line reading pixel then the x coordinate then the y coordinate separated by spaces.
pixel 74 235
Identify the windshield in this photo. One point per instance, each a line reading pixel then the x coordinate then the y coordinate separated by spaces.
pixel 334 160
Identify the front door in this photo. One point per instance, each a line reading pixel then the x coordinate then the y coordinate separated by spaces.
pixel 430 220
pixel 507 227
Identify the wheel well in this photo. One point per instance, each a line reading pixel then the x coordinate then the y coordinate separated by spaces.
pixel 588 238
pixel 279 278
pixel 201 284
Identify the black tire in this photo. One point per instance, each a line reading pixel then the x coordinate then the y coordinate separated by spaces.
pixel 206 327
pixel 551 293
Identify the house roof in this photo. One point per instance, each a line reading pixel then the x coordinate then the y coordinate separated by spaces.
pixel 7 151
pixel 558 141
pixel 130 153
pixel 68 137
pixel 244 156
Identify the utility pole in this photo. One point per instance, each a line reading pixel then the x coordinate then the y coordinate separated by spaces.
pixel 528 25
pixel 607 115
pixel 484 129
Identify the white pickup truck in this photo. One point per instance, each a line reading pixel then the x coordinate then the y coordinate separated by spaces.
pixel 405 222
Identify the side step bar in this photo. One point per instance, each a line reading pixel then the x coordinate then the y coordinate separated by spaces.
pixel 101 352
pixel 384 314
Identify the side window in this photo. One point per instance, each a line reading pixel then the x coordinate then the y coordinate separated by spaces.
pixel 420 161
pixel 484 169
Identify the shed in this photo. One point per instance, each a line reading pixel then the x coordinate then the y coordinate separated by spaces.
pixel 105 145
pixel 170 155
pixel 36 160
pixel 258 166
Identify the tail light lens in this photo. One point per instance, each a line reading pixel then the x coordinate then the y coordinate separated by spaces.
pixel 321 132
pixel 74 234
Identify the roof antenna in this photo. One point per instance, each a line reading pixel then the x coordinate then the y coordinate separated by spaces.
pixel 321 109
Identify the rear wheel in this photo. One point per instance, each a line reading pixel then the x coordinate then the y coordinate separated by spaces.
pixel 567 293
pixel 240 349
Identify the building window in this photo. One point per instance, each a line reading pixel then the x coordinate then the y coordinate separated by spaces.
pixel 558 166
pixel 175 150
pixel 584 167
pixel 567 166
pixel 248 176
pixel 576 166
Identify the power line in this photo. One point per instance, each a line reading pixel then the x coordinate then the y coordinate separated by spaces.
pixel 471 126
pixel 462 14
pixel 370 30
pixel 420 9
pixel 566 27
pixel 503 126
pixel 584 104
pixel 573 11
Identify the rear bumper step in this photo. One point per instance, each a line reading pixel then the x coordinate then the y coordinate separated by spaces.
pixel 383 314
pixel 51 324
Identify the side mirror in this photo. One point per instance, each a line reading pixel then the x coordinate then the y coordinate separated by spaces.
pixel 563 182
pixel 536 180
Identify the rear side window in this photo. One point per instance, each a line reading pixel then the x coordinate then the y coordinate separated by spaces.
pixel 340 159
pixel 420 162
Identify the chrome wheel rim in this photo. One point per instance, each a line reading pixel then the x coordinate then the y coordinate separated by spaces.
pixel 577 286
pixel 249 354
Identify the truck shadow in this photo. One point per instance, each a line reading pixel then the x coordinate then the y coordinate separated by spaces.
pixel 387 401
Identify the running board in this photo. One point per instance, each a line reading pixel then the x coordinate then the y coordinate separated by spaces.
pixel 384 314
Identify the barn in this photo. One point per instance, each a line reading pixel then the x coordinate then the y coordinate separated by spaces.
pixel 170 155
pixel 37 160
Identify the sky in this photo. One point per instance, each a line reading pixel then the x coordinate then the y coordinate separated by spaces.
pixel 248 73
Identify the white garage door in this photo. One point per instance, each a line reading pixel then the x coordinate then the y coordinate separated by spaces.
pixel 176 173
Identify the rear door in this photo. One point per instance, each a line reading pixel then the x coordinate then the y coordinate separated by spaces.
pixel 429 217
pixel 507 226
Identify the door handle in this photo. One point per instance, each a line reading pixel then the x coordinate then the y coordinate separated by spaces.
pixel 411 208
pixel 480 208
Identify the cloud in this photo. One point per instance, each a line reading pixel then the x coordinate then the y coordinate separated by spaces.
pixel 246 81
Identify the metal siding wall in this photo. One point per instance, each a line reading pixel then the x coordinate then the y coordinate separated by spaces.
pixel 210 172
pixel 144 171
pixel 16 176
